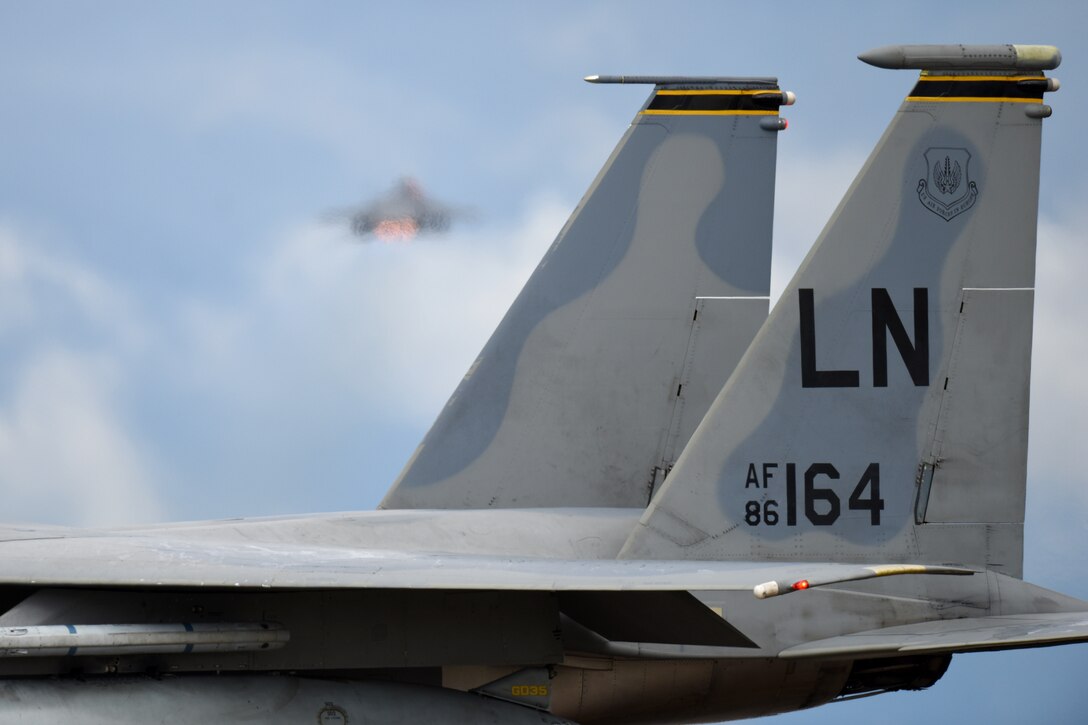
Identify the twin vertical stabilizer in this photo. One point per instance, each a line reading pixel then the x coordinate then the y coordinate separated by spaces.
pixel 880 415
pixel 615 348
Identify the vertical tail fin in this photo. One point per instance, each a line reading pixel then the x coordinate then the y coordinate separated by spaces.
pixel 634 319
pixel 881 412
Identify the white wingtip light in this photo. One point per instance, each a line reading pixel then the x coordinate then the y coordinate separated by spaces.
pixel 592 79
pixel 766 590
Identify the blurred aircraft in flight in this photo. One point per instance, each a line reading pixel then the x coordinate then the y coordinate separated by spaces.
pixel 648 500
pixel 399 215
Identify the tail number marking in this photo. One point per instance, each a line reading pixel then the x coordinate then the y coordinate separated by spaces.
pixel 885 321
pixel 822 505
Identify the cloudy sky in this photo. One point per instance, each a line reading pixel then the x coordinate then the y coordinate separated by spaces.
pixel 184 335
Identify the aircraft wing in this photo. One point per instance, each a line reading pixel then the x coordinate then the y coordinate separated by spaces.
pixel 127 560
pixel 954 635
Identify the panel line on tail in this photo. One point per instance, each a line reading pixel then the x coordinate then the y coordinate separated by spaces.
pixel 851 456
pixel 610 355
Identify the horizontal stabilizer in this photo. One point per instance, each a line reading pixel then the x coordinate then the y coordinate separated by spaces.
pixel 954 635
pixel 131 561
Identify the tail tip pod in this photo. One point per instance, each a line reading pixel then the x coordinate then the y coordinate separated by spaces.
pixel 768 81
pixel 942 57
pixel 760 96
pixel 948 69
pixel 771 95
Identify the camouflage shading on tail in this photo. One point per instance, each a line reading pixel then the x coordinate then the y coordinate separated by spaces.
pixel 624 334
pixel 881 413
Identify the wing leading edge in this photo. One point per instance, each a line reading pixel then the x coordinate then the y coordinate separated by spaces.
pixel 137 561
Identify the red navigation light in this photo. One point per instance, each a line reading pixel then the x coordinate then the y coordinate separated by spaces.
pixel 798 586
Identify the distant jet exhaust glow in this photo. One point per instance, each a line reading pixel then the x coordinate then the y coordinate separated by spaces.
pixel 400 215
pixel 396 230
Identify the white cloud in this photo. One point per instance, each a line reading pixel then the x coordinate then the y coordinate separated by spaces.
pixel 1057 505
pixel 65 456
pixel 38 289
pixel 1059 420
pixel 393 326
pixel 322 328
pixel 65 453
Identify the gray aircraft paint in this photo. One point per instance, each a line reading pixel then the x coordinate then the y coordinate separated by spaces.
pixel 975 257
pixel 273 700
pixel 391 622
pixel 953 56
pixel 503 603
pixel 626 331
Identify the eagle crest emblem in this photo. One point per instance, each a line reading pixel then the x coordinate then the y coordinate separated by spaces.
pixel 947 189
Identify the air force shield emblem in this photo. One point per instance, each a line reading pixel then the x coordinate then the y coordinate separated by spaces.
pixel 947 190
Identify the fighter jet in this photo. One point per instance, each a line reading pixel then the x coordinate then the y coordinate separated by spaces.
pixel 648 500
pixel 400 214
